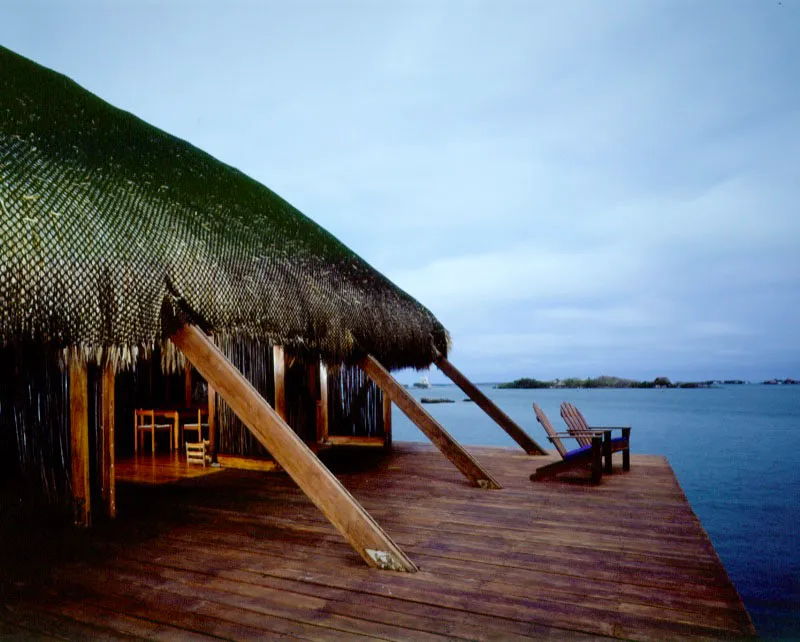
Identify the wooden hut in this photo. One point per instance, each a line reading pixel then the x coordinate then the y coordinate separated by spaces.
pixel 128 255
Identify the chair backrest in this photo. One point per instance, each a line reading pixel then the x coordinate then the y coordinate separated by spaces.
pixel 141 417
pixel 548 427
pixel 196 453
pixel 576 424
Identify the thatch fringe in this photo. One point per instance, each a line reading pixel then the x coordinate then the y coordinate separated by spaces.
pixel 124 358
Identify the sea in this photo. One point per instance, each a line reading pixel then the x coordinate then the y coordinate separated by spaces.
pixel 735 450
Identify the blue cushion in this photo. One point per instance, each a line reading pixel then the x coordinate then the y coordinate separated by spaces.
pixel 578 451
pixel 619 440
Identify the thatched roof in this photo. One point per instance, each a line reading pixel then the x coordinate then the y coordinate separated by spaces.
pixel 104 219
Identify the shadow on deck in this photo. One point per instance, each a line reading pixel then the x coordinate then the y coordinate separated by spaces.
pixel 244 554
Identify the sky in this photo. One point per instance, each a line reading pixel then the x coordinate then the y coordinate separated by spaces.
pixel 574 188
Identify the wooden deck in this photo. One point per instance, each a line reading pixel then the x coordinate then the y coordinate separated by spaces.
pixel 244 555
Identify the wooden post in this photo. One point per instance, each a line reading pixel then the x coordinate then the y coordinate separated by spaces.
pixel 279 371
pixel 315 480
pixel 450 448
pixel 488 406
pixel 187 386
pixel 597 459
pixel 322 407
pixel 79 439
pixel 626 453
pixel 387 421
pixel 213 431
pixel 108 484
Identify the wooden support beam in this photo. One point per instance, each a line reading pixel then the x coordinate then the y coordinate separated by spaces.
pixel 213 429
pixel 354 440
pixel 279 373
pixel 387 421
pixel 314 479
pixel 79 440
pixel 187 386
pixel 450 448
pixel 322 407
pixel 489 407
pixel 108 483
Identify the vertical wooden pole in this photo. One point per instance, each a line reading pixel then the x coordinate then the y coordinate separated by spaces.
pixel 387 421
pixel 279 369
pixel 79 439
pixel 313 391
pixel 316 481
pixel 213 434
pixel 187 385
pixel 322 408
pixel 432 429
pixel 108 475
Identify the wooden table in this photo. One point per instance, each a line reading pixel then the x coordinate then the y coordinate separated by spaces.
pixel 165 414
pixel 174 415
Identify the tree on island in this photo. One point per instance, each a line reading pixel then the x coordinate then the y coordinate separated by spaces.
pixel 604 381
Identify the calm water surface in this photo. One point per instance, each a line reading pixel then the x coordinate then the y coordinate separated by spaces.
pixel 735 452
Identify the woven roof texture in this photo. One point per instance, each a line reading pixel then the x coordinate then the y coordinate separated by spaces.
pixel 104 219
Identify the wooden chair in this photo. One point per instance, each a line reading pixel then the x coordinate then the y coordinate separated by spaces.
pixel 586 456
pixel 144 422
pixel 198 453
pixel 198 427
pixel 578 427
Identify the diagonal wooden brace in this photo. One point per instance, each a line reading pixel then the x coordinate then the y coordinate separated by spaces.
pixel 489 407
pixel 314 479
pixel 450 448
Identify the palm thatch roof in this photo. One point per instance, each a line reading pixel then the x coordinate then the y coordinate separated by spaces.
pixel 105 219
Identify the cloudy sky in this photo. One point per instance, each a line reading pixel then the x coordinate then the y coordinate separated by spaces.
pixel 574 188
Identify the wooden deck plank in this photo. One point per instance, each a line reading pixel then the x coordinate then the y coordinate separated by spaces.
pixel 571 589
pixel 242 554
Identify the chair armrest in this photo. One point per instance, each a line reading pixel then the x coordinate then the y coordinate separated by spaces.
pixel 602 428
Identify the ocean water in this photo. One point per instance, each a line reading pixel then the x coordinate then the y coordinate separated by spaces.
pixel 735 450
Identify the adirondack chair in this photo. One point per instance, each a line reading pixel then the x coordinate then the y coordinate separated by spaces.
pixel 578 427
pixel 583 457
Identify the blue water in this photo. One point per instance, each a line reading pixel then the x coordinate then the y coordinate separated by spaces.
pixel 735 451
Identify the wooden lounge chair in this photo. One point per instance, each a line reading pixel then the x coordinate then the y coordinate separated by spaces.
pixel 586 456
pixel 578 427
pixel 198 453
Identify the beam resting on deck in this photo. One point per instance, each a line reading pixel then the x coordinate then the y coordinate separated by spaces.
pixel 432 429
pixel 489 407
pixel 314 479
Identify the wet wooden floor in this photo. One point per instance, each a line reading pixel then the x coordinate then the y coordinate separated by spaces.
pixel 244 555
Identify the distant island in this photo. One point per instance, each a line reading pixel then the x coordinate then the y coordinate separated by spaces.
pixel 610 382
pixel 436 400
pixel 618 382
